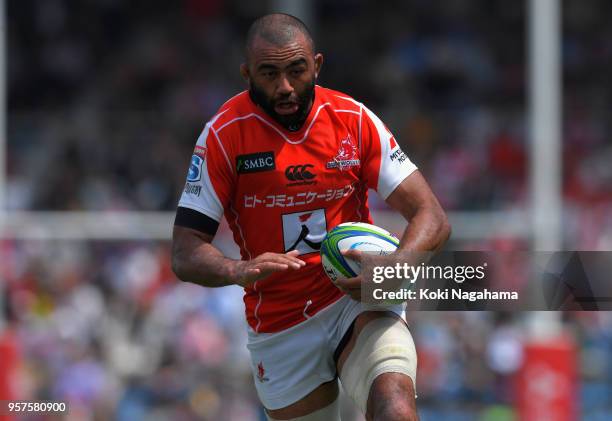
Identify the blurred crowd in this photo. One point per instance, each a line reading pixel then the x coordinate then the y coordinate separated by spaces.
pixel 106 327
pixel 106 100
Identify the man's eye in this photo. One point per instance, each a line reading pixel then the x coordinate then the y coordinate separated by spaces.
pixel 269 75
pixel 297 72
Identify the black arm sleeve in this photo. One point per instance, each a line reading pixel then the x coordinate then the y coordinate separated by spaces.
pixel 189 218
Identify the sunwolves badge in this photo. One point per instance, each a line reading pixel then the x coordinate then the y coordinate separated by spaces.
pixel 346 157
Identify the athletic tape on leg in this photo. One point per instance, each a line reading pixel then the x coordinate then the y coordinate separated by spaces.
pixel 384 345
pixel 330 413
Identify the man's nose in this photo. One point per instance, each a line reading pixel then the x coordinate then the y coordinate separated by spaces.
pixel 284 87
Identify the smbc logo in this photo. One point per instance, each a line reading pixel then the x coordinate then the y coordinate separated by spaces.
pixel 299 172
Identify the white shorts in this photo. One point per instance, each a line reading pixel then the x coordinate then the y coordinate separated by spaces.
pixel 288 365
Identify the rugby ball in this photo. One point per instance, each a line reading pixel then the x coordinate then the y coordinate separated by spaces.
pixel 353 235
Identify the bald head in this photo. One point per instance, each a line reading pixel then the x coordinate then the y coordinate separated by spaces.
pixel 281 68
pixel 278 29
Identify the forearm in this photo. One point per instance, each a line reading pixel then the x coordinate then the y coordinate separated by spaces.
pixel 428 230
pixel 203 265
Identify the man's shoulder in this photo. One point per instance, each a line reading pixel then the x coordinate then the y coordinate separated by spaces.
pixel 338 100
pixel 234 108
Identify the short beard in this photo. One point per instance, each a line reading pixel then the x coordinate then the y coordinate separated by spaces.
pixel 292 122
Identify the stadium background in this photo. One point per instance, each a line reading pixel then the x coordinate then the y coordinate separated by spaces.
pixel 105 101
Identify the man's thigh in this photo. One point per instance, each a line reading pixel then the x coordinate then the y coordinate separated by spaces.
pixel 378 363
pixel 291 366
pixel 294 370
pixel 321 397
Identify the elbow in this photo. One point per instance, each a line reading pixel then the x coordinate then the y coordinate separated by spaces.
pixel 185 271
pixel 178 268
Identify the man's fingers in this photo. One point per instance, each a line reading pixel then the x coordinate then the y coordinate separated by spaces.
pixel 297 263
pixel 352 254
pixel 292 263
pixel 292 255
pixel 267 267
pixel 349 283
pixel 268 263
pixel 351 287
pixel 286 258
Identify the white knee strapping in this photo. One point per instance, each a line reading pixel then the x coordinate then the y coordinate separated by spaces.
pixel 384 345
pixel 330 413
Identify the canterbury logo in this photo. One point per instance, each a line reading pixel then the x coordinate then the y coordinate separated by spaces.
pixel 299 172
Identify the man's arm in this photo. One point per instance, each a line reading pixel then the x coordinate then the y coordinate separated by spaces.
pixel 428 228
pixel 196 260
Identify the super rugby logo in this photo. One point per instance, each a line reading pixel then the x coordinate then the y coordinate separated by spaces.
pixel 195 166
pixel 346 157
pixel 255 162
pixel 195 169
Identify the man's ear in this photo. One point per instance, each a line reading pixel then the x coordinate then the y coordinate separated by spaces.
pixel 244 72
pixel 318 62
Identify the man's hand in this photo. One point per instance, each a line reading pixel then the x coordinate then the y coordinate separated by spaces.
pixel 351 286
pixel 248 271
pixel 196 260
pixel 368 261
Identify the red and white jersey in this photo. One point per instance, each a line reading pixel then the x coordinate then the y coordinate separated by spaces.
pixel 282 190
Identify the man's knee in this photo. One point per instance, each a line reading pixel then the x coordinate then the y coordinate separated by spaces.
pixel 383 350
pixel 392 398
pixel 395 411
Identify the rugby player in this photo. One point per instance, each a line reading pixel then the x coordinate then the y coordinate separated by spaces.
pixel 285 161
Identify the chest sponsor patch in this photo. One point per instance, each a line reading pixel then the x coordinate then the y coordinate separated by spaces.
pixel 255 162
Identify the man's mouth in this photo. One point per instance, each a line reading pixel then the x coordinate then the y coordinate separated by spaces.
pixel 286 107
